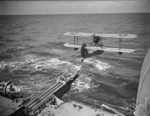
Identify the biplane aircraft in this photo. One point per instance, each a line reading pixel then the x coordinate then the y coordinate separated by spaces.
pixel 100 46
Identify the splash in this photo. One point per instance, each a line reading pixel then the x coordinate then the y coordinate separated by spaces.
pixel 102 66
pixel 80 86
pixel 83 83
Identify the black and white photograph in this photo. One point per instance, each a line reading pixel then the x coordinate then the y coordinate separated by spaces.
pixel 74 57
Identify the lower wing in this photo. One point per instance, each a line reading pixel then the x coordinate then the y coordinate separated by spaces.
pixel 108 49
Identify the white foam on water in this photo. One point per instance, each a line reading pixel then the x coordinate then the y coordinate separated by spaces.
pixel 102 66
pixel 81 86
pixel 57 51
pixel 82 83
pixel 11 65
pixel 55 63
pixel 29 58
pixel 37 64
pixel 21 47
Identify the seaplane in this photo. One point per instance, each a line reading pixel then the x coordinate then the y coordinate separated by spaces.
pixel 98 42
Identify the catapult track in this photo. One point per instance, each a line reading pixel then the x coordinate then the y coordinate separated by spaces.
pixel 36 104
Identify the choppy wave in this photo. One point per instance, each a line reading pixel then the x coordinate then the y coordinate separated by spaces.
pixel 37 64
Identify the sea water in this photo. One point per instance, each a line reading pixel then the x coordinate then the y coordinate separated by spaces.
pixel 39 38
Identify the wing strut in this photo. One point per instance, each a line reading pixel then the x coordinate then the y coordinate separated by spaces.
pixel 120 41
pixel 76 40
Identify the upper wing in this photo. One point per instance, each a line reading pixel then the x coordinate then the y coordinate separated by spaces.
pixel 101 35
pixel 72 45
pixel 101 48
pixel 78 34
pixel 123 36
